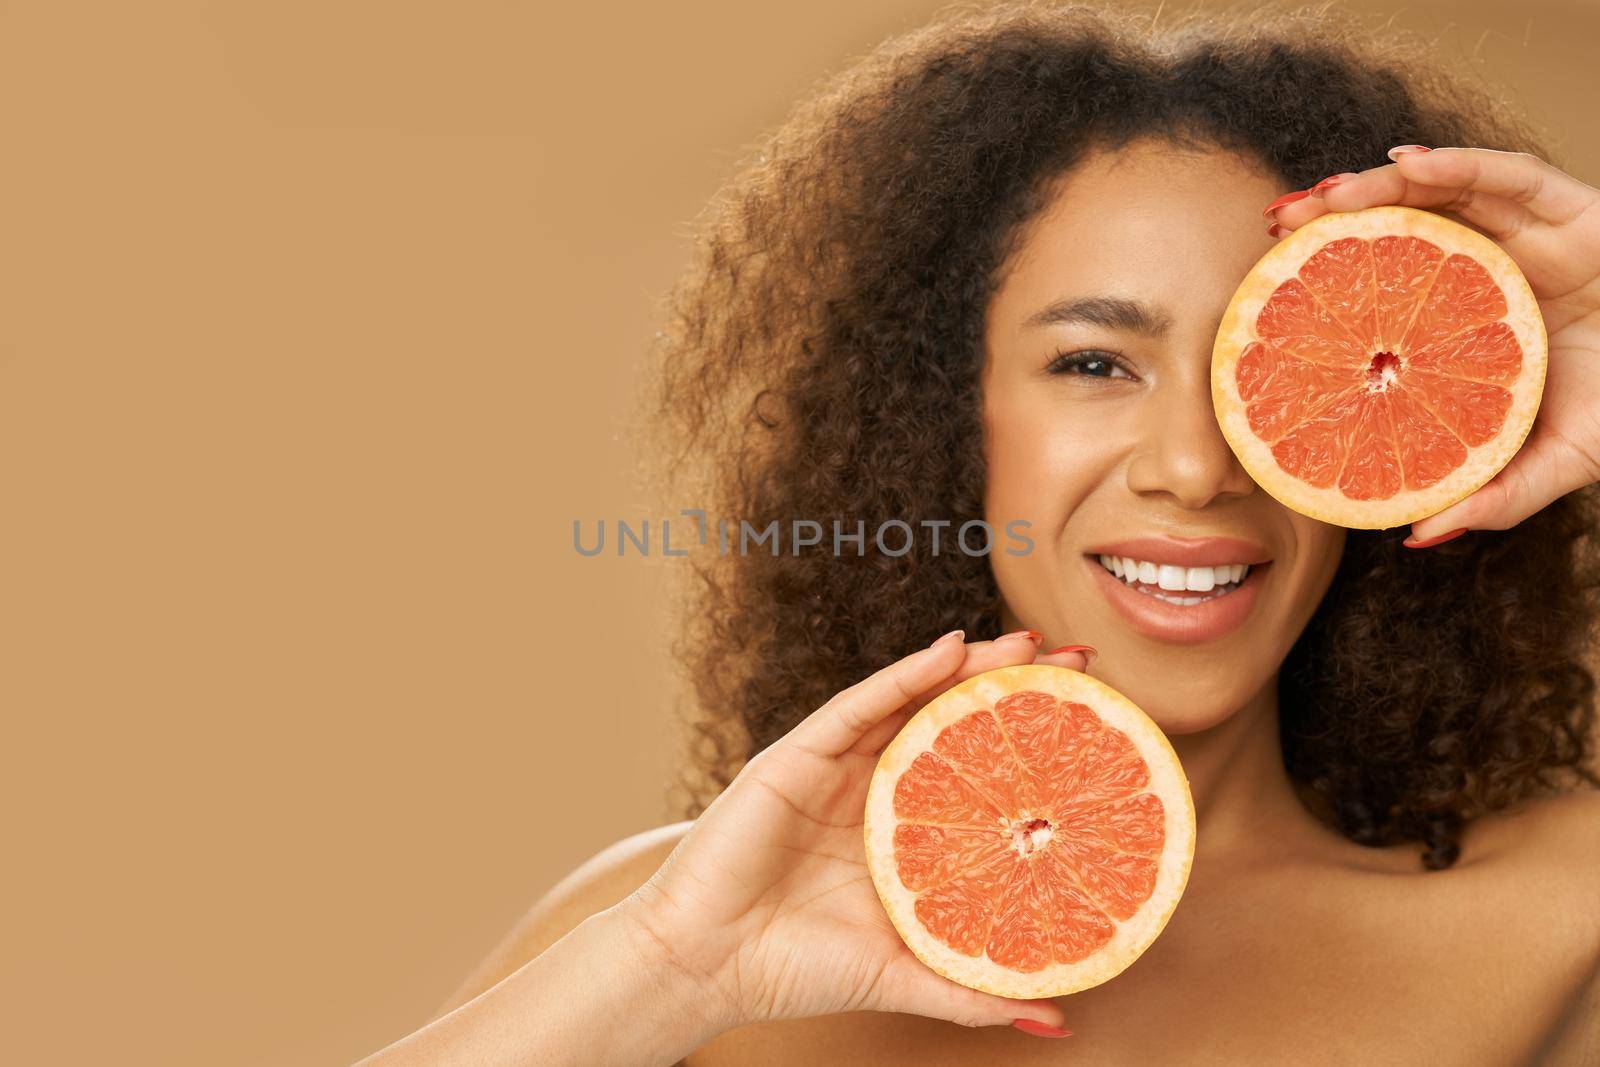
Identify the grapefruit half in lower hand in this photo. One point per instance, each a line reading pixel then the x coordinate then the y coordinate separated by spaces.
pixel 1029 832
pixel 1377 366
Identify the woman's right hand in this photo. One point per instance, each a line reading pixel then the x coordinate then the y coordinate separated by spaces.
pixel 766 905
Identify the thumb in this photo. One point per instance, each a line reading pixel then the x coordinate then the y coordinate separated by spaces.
pixel 1522 488
pixel 920 991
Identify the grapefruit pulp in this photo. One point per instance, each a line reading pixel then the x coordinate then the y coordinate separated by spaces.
pixel 1029 832
pixel 1377 366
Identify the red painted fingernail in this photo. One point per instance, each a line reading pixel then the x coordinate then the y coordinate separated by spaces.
pixel 1089 651
pixel 1430 542
pixel 1034 635
pixel 1285 199
pixel 1274 230
pixel 1028 1026
pixel 1400 150
pixel 1328 182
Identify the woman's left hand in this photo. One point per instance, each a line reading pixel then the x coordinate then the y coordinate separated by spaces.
pixel 1549 223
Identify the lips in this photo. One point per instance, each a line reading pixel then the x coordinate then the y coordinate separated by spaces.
pixel 1180 618
pixel 1185 551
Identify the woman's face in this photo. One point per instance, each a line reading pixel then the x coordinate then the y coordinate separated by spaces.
pixel 1101 435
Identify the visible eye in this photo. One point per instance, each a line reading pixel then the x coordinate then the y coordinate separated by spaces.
pixel 1089 363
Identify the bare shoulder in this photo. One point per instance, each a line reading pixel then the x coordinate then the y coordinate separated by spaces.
pixel 605 879
pixel 1550 847
pixel 1575 1040
pixel 1575 818
pixel 1555 838
pixel 1566 831
pixel 1562 830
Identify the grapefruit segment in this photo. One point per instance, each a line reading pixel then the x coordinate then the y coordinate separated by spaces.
pixel 1296 321
pixel 1377 366
pixel 1314 451
pixel 961 911
pixel 1078 929
pixel 1283 392
pixel 1032 722
pixel 1340 276
pixel 1020 937
pixel 1428 451
pixel 1462 297
pixel 931 791
pixel 1134 824
pixel 1029 832
pixel 1403 270
pixel 1112 767
pixel 1076 730
pixel 1116 881
pixel 929 855
pixel 1473 411
pixel 1489 353
pixel 980 753
pixel 1371 469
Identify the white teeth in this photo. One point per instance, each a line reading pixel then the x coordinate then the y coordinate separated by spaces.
pixel 1176 579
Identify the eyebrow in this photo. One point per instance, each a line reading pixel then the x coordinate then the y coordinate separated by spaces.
pixel 1109 312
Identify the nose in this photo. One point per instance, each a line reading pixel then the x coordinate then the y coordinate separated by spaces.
pixel 1181 452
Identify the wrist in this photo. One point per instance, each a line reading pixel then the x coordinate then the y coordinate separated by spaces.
pixel 678 961
pixel 608 992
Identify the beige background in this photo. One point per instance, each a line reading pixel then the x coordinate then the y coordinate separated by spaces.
pixel 320 320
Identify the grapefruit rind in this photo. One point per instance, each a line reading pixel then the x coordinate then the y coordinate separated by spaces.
pixel 1283 262
pixel 1167 781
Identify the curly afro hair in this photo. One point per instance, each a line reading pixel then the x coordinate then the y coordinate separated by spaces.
pixel 821 359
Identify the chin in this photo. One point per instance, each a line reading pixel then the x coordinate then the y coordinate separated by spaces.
pixel 1184 704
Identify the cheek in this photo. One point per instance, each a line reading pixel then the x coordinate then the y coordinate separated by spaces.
pixel 1319 549
pixel 1044 459
pixel 1050 461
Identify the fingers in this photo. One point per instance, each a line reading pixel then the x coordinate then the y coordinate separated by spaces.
pixel 1302 206
pixel 1013 648
pixel 919 991
pixel 866 716
pixel 1019 647
pixel 1498 192
pixel 874 741
pixel 841 723
pixel 1009 650
pixel 1004 651
pixel 1495 216
pixel 1076 657
pixel 981 656
pixel 1547 192
pixel 1535 477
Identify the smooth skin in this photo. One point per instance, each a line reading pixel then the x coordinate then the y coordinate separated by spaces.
pixel 753 936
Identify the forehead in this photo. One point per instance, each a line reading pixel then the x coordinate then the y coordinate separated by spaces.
pixel 1174 226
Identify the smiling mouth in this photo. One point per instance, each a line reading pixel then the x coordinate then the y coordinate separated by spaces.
pixel 1184 586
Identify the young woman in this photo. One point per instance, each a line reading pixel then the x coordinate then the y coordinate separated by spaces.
pixel 1398 860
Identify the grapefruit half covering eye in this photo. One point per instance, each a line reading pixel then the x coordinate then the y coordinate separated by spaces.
pixel 1029 832
pixel 1377 366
